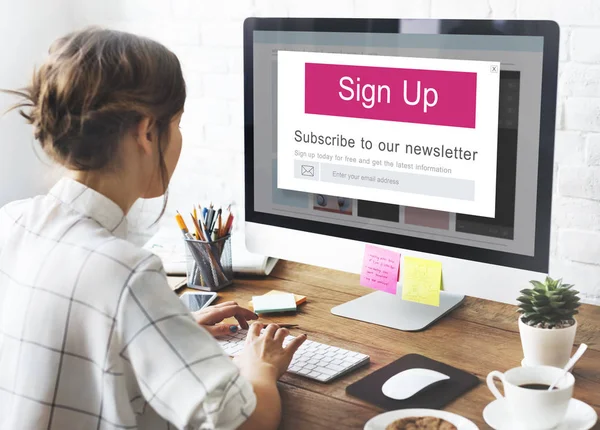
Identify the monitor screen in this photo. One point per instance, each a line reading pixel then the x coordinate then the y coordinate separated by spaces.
pixel 425 141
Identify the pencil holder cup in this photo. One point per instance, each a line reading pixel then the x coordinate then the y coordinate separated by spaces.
pixel 209 264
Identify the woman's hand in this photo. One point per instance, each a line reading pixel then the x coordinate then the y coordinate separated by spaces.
pixel 210 318
pixel 264 357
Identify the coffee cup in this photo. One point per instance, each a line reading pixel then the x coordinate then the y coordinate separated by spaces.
pixel 527 399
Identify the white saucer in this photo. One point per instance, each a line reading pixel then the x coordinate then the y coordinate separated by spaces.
pixel 381 421
pixel 579 417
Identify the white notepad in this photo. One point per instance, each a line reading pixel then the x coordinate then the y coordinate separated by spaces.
pixel 274 303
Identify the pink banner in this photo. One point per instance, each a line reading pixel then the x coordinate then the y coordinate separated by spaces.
pixel 432 97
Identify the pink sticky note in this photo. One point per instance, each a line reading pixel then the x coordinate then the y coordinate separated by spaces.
pixel 380 269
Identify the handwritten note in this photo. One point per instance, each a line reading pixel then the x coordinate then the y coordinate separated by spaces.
pixel 380 269
pixel 422 281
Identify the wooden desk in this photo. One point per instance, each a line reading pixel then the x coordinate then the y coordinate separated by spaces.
pixel 479 337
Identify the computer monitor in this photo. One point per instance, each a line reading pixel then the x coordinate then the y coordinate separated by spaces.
pixel 433 138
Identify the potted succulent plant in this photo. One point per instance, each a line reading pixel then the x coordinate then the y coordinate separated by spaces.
pixel 547 323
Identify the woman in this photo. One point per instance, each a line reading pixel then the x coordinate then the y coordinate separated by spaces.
pixel 91 336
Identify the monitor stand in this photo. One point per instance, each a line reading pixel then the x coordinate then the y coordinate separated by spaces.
pixel 391 311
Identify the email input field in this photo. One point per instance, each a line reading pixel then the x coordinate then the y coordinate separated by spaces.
pixel 427 185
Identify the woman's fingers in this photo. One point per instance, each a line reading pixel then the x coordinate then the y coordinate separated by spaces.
pixel 221 329
pixel 280 335
pixel 254 331
pixel 219 314
pixel 294 344
pixel 220 305
pixel 271 330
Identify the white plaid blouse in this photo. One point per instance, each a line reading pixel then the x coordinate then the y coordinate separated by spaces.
pixel 91 336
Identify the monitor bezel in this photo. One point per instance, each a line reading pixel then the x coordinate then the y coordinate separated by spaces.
pixel 549 30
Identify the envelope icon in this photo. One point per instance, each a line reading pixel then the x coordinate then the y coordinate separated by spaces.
pixel 306 170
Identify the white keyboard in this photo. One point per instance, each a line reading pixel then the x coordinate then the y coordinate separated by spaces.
pixel 313 360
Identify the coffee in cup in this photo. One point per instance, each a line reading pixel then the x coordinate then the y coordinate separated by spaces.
pixel 527 399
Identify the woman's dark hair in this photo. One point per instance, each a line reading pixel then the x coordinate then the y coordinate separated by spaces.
pixel 95 86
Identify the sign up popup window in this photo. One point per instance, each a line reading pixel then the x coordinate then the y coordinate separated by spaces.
pixel 417 132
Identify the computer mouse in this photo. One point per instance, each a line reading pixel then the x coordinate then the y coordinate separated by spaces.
pixel 409 382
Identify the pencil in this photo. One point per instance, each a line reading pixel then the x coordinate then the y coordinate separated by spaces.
pixel 204 230
pixel 197 227
pixel 224 231
pixel 229 225
pixel 182 225
pixel 219 224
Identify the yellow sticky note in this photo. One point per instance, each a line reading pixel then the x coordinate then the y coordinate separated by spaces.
pixel 422 281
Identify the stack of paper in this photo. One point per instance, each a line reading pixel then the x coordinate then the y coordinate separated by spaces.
pixel 168 244
pixel 270 303
pixel 297 297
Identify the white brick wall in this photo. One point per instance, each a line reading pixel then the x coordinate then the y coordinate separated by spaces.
pixel 207 36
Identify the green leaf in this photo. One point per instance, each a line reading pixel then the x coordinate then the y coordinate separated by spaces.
pixel 540 301
pixel 526 292
pixel 524 299
pixel 538 285
pixel 535 320
pixel 542 309
pixel 557 305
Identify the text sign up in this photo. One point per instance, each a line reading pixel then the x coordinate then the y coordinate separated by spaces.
pixel 411 131
pixel 390 94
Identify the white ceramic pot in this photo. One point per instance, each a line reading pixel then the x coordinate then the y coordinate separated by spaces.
pixel 546 347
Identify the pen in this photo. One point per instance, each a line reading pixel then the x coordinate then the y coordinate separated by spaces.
pixel 209 218
pixel 287 325
pixel 204 230
pixel 218 222
pixel 281 325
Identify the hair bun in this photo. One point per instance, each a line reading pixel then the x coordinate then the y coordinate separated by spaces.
pixel 95 85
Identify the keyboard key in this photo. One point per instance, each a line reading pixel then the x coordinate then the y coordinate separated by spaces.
pixel 313 360
pixel 325 371
pixel 335 367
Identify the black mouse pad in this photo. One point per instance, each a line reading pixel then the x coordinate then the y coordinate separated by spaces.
pixel 435 396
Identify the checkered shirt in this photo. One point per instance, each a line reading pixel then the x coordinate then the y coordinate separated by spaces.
pixel 91 336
